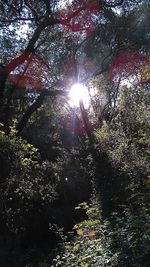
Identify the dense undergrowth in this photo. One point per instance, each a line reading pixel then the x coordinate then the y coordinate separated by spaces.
pixel 123 238
pixel 40 197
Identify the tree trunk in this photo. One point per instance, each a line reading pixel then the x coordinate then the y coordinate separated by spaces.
pixel 37 104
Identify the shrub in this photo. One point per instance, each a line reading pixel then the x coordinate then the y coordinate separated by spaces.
pixel 27 183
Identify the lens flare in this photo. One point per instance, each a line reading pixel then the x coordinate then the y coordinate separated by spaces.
pixel 79 92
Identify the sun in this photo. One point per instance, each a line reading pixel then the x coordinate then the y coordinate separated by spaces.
pixel 79 92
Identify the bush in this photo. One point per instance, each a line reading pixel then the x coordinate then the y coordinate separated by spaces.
pixel 91 244
pixel 26 183
pixel 122 240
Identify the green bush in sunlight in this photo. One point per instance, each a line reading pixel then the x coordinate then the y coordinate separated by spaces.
pixel 122 240
pixel 91 243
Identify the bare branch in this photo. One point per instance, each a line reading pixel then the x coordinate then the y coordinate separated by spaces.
pixel 17 19
pixel 32 10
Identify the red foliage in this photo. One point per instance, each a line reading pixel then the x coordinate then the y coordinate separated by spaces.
pixel 80 16
pixel 27 71
pixel 128 64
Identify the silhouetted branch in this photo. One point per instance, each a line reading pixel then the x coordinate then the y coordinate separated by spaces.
pixel 37 104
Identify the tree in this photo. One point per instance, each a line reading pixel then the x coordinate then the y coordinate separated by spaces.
pixel 46 18
pixel 45 48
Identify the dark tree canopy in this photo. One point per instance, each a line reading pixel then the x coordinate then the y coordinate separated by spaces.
pixel 46 45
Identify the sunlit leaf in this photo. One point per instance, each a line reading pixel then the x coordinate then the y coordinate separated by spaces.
pixel 80 232
pixel 91 233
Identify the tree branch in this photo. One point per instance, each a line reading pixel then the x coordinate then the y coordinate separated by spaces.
pixel 37 104
pixel 17 19
pixel 32 10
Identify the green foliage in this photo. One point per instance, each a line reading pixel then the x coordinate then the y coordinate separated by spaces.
pixel 123 240
pixel 27 183
pixel 91 244
pixel 131 231
pixel 126 140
